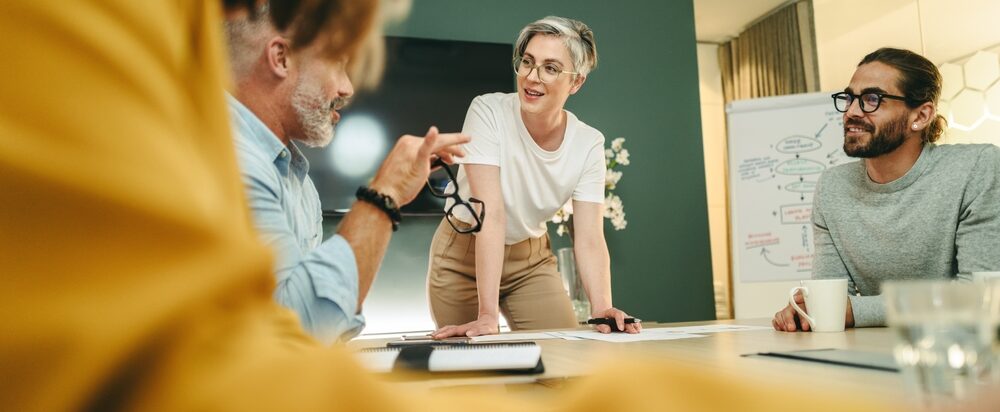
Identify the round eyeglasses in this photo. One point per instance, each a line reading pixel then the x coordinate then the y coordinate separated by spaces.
pixel 869 102
pixel 547 72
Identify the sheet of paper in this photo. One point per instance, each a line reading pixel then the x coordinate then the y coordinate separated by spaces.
pixel 511 337
pixel 567 337
pixel 711 328
pixel 647 334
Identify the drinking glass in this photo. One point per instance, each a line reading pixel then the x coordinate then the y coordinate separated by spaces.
pixel 991 323
pixel 574 285
pixel 941 346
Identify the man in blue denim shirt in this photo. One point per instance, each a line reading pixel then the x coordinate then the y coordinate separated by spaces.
pixel 284 94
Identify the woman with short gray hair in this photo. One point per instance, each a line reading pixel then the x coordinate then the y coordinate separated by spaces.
pixel 528 157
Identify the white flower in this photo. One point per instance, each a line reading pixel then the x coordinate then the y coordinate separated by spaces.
pixel 613 201
pixel 611 179
pixel 616 144
pixel 622 157
pixel 568 207
pixel 619 221
pixel 612 206
pixel 614 210
pixel 562 216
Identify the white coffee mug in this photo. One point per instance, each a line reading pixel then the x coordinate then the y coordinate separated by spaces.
pixel 826 300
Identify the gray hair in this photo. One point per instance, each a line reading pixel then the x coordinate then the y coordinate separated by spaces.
pixel 245 38
pixel 577 37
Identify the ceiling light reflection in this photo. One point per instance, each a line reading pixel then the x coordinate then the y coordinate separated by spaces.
pixel 359 146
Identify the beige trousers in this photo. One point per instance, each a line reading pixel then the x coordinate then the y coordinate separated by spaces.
pixel 532 295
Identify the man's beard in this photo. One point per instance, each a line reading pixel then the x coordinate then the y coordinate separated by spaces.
pixel 314 110
pixel 884 140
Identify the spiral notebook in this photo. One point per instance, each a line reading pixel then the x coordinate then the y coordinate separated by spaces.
pixel 521 357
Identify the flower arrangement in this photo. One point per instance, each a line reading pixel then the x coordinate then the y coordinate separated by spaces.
pixel 614 210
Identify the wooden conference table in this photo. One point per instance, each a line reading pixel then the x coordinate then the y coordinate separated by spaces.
pixel 721 352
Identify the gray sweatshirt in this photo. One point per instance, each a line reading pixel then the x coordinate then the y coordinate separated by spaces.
pixel 941 220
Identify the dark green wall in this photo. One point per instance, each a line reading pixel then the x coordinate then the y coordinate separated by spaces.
pixel 646 90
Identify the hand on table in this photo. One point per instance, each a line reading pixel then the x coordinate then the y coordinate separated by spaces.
pixel 619 316
pixel 788 320
pixel 485 325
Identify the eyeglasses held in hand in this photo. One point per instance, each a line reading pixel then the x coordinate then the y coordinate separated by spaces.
pixel 869 102
pixel 450 190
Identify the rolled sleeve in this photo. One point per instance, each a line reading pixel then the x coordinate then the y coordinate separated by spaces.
pixel 323 289
pixel 319 284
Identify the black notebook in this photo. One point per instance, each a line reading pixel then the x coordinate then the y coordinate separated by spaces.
pixel 524 357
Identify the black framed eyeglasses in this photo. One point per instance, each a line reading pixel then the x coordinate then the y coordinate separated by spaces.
pixel 446 189
pixel 869 102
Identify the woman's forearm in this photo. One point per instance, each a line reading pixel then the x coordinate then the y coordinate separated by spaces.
pixel 489 264
pixel 594 266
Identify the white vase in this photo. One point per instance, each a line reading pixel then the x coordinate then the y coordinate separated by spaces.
pixel 573 284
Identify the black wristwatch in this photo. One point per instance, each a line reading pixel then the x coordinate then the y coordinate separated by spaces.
pixel 383 202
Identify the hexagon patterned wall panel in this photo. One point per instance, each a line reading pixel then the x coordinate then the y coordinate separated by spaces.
pixel 981 70
pixel 970 98
pixel 953 80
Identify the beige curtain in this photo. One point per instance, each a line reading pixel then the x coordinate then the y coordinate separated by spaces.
pixel 774 56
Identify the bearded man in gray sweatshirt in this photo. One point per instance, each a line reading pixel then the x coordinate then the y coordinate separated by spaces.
pixel 910 209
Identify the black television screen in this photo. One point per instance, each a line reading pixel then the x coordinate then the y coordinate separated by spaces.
pixel 426 82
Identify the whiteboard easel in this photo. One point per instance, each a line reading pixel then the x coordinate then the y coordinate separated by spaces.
pixel 778 147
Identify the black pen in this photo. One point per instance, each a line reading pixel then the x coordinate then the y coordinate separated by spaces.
pixel 611 322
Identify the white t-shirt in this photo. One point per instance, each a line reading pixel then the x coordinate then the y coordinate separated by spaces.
pixel 534 182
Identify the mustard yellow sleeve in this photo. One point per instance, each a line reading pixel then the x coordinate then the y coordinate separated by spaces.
pixel 127 251
pixel 131 275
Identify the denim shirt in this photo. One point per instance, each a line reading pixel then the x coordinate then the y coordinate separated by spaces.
pixel 316 279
